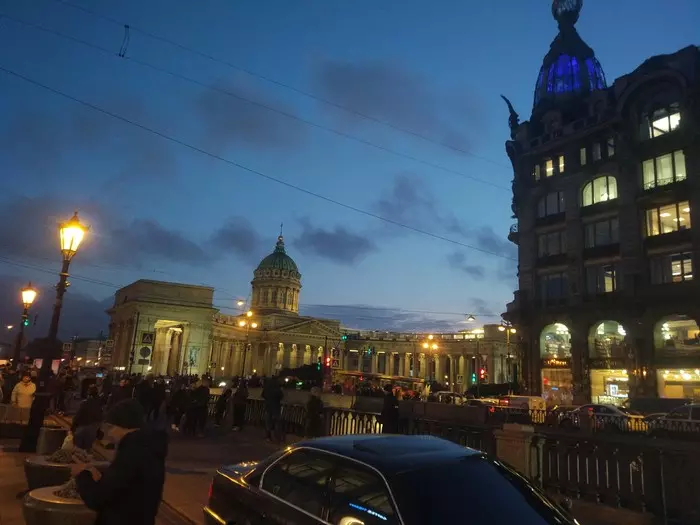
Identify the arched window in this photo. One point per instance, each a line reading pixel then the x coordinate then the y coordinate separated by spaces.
pixel 606 340
pixel 555 342
pixel 598 190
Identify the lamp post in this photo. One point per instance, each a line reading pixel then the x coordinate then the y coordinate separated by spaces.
pixel 430 345
pixel 248 323
pixel 508 329
pixel 28 296
pixel 71 235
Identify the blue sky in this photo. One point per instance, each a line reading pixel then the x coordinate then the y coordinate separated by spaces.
pixel 164 211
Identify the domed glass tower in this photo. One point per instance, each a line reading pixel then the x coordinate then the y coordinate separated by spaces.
pixel 570 68
pixel 276 283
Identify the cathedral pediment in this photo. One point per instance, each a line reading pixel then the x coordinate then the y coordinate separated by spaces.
pixel 310 327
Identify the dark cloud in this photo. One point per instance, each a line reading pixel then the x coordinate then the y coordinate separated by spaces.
pixel 487 239
pixel 81 315
pixel 135 242
pixel 364 317
pixel 238 237
pixel 458 261
pixel 228 119
pixel 338 244
pixel 392 94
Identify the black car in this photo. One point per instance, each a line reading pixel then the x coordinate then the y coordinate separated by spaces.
pixel 377 479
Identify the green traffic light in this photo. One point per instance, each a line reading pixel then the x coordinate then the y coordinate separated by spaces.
pixel 26 322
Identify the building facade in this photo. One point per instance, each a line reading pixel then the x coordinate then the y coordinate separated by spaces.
pixel 170 328
pixel 606 194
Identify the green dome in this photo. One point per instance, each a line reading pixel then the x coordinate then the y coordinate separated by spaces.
pixel 279 260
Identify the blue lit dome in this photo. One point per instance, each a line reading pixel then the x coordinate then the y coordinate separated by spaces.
pixel 570 68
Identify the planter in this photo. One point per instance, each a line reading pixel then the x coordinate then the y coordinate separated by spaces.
pixel 43 507
pixel 40 472
pixel 50 440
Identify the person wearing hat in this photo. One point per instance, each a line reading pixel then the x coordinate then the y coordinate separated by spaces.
pixel 129 491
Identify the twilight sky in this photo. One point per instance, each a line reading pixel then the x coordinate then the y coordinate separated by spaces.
pixel 391 108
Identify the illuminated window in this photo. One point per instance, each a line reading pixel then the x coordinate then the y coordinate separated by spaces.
pixel 671 268
pixel 582 156
pixel 553 243
pixel 661 121
pixel 599 190
pixel 549 167
pixel 668 219
pixel 551 204
pixel 536 172
pixel 562 164
pixel 596 151
pixel 601 278
pixel 601 233
pixel 663 170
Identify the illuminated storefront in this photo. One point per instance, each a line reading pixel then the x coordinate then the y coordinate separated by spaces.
pixel 609 386
pixel 679 383
pixel 607 363
pixel 677 348
pixel 555 352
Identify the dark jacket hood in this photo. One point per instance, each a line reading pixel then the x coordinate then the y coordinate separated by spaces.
pixel 152 442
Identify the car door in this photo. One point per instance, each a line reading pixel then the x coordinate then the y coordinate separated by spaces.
pixel 295 489
pixel 359 495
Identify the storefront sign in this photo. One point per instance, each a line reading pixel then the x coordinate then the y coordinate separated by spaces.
pixel 553 362
pixel 607 363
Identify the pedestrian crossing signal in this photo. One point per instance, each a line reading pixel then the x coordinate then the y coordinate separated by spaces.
pixel 26 322
pixel 318 364
pixel 344 337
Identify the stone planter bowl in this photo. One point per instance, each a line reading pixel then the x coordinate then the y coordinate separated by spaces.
pixel 43 507
pixel 50 439
pixel 40 472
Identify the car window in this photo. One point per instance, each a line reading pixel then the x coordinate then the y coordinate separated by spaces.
pixel 358 494
pixel 473 490
pixel 679 413
pixel 300 479
pixel 695 413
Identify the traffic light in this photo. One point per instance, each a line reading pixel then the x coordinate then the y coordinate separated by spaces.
pixel 473 377
pixel 482 374
pixel 344 337
pixel 318 364
pixel 26 322
pixel 328 362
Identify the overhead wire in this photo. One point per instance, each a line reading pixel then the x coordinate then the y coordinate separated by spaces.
pixel 276 82
pixel 247 169
pixel 247 100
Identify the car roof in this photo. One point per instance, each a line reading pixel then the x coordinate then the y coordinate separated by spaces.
pixel 392 454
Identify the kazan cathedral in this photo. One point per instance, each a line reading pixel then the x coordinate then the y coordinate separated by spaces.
pixel 167 328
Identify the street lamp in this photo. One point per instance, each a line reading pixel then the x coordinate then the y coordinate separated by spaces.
pixel 28 296
pixel 470 318
pixel 429 345
pixel 508 329
pixel 71 235
pixel 248 323
pixel 240 302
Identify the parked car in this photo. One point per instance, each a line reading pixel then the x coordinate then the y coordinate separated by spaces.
pixel 376 479
pixel 604 418
pixel 681 422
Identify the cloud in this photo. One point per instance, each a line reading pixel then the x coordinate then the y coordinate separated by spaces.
pixel 81 315
pixel 238 237
pixel 338 244
pixel 227 119
pixel 392 94
pixel 458 261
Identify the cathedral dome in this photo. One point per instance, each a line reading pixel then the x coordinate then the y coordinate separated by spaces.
pixel 570 68
pixel 279 260
pixel 276 283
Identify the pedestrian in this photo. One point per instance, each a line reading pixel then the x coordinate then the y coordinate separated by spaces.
pixel 390 412
pixel 314 414
pixel 220 408
pixel 8 387
pixel 272 394
pixel 179 401
pixel 86 423
pixel 200 398
pixel 23 392
pixel 240 401
pixel 131 488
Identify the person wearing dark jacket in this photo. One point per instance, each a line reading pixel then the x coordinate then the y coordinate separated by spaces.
pixel 273 395
pixel 86 422
pixel 221 406
pixel 131 489
pixel 390 412
pixel 240 400
pixel 314 414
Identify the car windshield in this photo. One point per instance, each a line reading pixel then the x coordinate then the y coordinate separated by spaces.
pixel 473 489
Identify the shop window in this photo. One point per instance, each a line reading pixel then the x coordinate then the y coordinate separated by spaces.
pixel 661 121
pixel 536 172
pixel 671 268
pixel 677 336
pixel 606 340
pixel 600 189
pixel 681 383
pixel 555 342
pixel 549 167
pixel 553 288
pixel 666 169
pixel 595 150
pixel 601 278
pixel 551 204
pixel 609 386
pixel 582 156
pixel 601 233
pixel 668 219
pixel 553 243
pixel 557 386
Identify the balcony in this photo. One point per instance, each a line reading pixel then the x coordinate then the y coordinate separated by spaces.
pixel 514 234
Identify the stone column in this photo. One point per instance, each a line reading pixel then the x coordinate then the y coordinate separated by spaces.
pixel 440 368
pixel 374 364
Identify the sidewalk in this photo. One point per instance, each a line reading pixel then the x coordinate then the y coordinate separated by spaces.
pixel 11 482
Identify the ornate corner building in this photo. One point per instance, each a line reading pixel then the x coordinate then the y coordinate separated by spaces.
pixel 606 193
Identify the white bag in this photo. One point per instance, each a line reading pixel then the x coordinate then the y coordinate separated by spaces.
pixel 68 442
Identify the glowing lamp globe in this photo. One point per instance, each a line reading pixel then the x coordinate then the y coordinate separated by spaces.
pixel 28 295
pixel 72 234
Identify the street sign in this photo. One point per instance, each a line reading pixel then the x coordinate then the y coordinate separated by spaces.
pixel 460 380
pixel 143 361
pixel 109 343
pixel 147 338
pixel 67 347
pixel 335 353
pixel 335 363
pixel 144 352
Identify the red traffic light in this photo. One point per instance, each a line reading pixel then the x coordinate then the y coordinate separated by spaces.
pixel 328 361
pixel 482 372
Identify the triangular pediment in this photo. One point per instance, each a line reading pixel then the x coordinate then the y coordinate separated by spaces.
pixel 309 327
